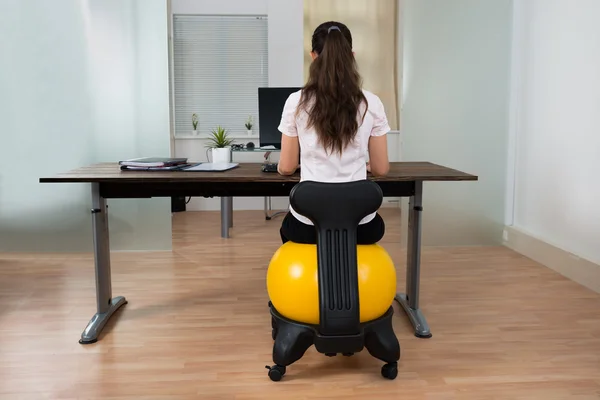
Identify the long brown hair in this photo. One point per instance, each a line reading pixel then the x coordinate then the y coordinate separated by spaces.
pixel 333 93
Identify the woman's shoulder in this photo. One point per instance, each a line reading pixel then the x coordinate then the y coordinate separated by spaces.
pixel 374 103
pixel 291 103
pixel 371 97
pixel 294 97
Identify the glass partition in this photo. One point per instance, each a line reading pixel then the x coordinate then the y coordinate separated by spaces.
pixel 455 113
pixel 89 84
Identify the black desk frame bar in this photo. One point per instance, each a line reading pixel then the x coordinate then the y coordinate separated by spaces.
pixel 107 304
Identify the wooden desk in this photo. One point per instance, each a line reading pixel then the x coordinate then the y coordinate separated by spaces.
pixel 108 181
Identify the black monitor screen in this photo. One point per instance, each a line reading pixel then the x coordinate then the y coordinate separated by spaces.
pixel 270 107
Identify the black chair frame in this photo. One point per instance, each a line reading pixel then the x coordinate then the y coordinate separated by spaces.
pixel 336 210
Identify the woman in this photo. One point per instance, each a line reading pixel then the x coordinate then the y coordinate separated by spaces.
pixel 333 125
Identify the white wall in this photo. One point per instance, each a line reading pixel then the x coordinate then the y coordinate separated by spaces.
pixel 222 7
pixel 455 112
pixel 81 82
pixel 557 123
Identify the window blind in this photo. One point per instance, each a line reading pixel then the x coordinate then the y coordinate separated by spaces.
pixel 219 62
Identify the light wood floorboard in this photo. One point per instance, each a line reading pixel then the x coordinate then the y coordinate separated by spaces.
pixel 197 326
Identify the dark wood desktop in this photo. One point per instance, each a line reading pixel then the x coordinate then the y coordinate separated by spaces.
pixel 405 179
pixel 246 172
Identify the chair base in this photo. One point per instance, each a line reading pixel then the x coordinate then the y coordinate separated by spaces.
pixel 292 339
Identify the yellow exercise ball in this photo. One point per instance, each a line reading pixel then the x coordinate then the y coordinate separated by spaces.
pixel 292 282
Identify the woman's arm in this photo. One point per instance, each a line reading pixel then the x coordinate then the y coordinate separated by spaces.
pixel 379 164
pixel 290 147
pixel 289 157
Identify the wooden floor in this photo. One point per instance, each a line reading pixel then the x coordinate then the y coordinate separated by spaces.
pixel 197 326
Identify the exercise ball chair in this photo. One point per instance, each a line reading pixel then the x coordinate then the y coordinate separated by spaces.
pixel 314 289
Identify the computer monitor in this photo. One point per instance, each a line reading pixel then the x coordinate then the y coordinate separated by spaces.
pixel 270 107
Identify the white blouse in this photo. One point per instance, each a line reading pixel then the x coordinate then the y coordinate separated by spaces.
pixel 316 164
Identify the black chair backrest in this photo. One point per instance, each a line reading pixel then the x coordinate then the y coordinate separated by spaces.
pixel 336 210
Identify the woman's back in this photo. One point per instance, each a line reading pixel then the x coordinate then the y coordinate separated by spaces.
pixel 318 163
pixel 332 126
pixel 322 165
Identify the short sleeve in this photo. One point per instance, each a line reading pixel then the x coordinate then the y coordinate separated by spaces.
pixel 380 122
pixel 287 126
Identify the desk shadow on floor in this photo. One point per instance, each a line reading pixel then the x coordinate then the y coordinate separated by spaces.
pixel 164 309
pixel 174 305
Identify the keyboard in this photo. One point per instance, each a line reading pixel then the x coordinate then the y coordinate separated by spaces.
pixel 271 167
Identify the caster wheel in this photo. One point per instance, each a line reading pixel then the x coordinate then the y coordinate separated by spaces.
pixel 348 354
pixel 331 354
pixel 390 371
pixel 268 218
pixel 276 372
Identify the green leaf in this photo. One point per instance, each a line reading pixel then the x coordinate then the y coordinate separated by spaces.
pixel 219 138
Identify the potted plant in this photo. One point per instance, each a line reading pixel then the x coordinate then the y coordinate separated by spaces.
pixel 219 143
pixel 195 123
pixel 249 125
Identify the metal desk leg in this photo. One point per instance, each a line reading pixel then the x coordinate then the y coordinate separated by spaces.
pixel 226 216
pixel 268 208
pixel 106 304
pixel 267 217
pixel 410 300
pixel 230 215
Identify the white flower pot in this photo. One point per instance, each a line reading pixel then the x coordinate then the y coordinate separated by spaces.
pixel 221 155
pixel 195 132
pixel 249 132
